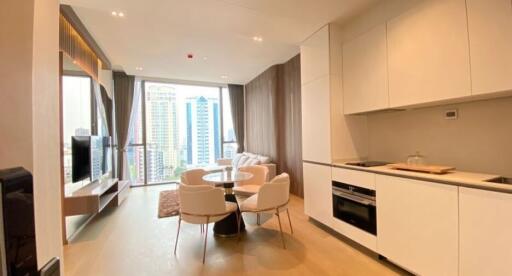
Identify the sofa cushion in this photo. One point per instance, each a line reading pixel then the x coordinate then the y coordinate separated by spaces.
pixel 236 159
pixel 250 162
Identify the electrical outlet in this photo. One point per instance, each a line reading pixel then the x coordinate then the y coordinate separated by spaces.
pixel 451 114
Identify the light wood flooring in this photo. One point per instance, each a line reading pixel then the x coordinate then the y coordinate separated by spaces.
pixel 131 240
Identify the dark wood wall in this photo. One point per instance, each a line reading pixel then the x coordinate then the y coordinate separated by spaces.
pixel 273 119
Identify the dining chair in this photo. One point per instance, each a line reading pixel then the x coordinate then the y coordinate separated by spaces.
pixel 203 204
pixel 251 186
pixel 193 177
pixel 272 198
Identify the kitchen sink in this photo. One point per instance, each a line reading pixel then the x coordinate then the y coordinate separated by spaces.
pixel 500 180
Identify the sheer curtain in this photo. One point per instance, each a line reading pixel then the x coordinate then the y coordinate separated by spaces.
pixel 236 98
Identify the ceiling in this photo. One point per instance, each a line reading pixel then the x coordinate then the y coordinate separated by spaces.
pixel 157 35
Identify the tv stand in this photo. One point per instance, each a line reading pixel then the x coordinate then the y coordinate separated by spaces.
pixel 95 197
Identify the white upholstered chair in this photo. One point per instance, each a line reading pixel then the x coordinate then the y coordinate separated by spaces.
pixel 202 204
pixel 251 186
pixel 271 198
pixel 193 177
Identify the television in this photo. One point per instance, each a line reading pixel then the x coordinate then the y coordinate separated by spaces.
pixel 90 157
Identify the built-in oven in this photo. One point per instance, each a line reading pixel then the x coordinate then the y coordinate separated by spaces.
pixel 355 205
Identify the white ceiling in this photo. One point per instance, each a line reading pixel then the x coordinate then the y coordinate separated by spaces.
pixel 158 34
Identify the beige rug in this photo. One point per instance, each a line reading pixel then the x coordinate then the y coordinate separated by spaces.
pixel 168 204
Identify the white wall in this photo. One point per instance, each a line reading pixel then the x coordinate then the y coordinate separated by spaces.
pixel 46 130
pixel 479 141
pixel 29 104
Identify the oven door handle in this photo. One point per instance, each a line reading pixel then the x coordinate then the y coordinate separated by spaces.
pixel 353 198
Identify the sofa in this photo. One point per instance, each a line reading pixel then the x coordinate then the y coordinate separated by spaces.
pixel 250 159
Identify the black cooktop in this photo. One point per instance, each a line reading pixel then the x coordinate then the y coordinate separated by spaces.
pixel 367 163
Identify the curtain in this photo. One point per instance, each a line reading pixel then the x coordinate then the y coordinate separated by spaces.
pixel 107 105
pixel 260 110
pixel 124 94
pixel 236 98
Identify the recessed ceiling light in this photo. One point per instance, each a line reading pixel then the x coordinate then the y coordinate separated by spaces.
pixel 117 13
pixel 205 58
pixel 257 38
pixel 223 77
pixel 139 68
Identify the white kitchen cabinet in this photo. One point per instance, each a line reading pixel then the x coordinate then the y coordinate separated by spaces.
pixel 314 52
pixel 365 72
pixel 490 40
pixel 485 232
pixel 318 192
pixel 316 121
pixel 428 53
pixel 417 224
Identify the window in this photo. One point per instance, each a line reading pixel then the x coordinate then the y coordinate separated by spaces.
pixel 178 127
pixel 76 117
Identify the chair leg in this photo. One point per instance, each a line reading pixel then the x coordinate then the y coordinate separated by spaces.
pixel 289 220
pixel 280 227
pixel 177 235
pixel 205 238
pixel 258 219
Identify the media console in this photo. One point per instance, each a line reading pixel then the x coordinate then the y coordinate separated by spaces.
pixel 96 196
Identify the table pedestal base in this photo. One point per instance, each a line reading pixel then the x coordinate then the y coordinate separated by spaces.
pixel 228 227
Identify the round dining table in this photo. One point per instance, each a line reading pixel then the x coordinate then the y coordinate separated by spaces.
pixel 228 227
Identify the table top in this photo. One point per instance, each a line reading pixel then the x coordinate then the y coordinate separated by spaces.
pixel 227 177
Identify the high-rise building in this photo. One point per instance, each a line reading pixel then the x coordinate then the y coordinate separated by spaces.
pixel 203 130
pixel 162 128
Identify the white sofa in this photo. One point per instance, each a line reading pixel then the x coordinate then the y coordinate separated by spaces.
pixel 249 159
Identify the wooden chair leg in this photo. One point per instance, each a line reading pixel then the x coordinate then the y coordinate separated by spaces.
pixel 205 238
pixel 289 220
pixel 258 219
pixel 280 228
pixel 177 235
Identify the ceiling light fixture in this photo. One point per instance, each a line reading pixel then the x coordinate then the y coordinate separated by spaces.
pixel 223 77
pixel 205 58
pixel 117 13
pixel 257 38
pixel 139 68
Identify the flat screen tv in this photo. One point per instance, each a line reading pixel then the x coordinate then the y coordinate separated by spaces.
pixel 88 157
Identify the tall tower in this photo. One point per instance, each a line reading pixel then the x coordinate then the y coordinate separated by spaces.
pixel 203 130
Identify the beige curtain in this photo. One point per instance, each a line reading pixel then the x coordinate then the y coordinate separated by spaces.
pixel 124 94
pixel 236 98
pixel 273 119
pixel 261 107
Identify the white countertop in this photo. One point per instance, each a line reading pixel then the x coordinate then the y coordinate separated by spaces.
pixel 459 178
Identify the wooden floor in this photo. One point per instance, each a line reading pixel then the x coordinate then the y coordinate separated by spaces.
pixel 131 240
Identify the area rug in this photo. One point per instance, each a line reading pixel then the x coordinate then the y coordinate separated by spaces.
pixel 168 204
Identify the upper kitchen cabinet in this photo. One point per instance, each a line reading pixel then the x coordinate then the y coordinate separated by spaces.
pixel 490 40
pixel 428 54
pixel 365 72
pixel 314 52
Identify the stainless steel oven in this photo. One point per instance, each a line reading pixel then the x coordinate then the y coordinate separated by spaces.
pixel 355 205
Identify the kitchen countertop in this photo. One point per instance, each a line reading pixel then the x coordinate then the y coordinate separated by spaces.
pixel 458 178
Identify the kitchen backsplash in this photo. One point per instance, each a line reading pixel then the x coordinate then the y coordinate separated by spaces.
pixel 480 140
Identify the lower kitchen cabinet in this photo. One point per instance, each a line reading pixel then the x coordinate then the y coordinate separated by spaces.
pixel 318 192
pixel 485 232
pixel 417 225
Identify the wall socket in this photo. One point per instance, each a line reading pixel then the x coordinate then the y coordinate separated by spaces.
pixel 451 114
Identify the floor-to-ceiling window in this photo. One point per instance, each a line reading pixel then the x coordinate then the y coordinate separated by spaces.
pixel 178 127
